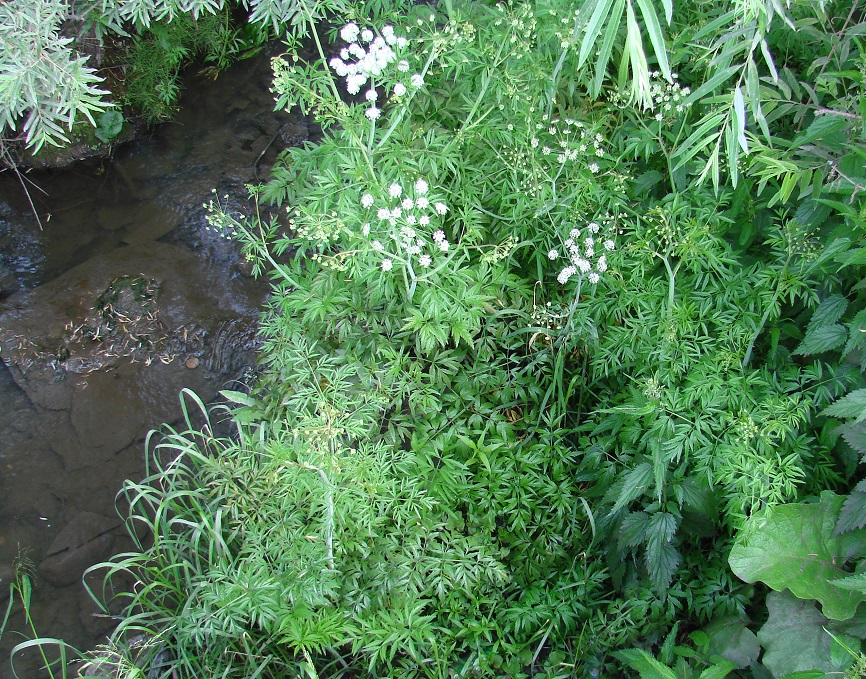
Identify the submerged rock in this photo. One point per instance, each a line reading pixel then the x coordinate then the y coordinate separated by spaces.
pixel 78 546
pixel 102 350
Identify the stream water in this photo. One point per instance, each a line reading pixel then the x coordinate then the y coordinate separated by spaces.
pixel 69 437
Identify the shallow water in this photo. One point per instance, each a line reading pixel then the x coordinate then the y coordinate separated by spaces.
pixel 153 188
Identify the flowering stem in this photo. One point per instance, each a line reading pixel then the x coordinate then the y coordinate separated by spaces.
pixel 399 117
pixel 413 278
pixel 321 51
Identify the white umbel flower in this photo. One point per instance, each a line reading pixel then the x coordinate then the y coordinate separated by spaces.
pixel 349 32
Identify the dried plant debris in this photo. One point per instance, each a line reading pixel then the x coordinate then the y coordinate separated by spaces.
pixel 124 322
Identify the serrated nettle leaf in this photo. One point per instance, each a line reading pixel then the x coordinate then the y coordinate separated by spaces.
pixel 635 483
pixel 662 560
pixel 632 529
pixel 793 546
pixel 851 405
pixel 852 515
pixel 828 312
pixel 821 339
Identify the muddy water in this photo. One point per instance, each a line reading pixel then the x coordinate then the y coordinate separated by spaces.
pixel 68 439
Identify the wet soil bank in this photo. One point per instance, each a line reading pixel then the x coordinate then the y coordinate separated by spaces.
pixel 121 300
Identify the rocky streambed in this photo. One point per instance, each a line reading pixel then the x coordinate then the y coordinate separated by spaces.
pixel 118 302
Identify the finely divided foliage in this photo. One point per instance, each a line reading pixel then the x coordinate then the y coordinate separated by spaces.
pixel 526 380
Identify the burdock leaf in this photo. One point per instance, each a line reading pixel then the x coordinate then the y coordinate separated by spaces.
pixel 793 546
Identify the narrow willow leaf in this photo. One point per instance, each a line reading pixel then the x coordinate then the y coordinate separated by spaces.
pixel 651 21
pixel 597 21
pixel 606 48
pixel 718 79
pixel 768 59
pixel 732 150
pixel 740 119
pixel 636 56
pixel 705 134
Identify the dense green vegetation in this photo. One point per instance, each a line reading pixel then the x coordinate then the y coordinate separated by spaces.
pixel 563 365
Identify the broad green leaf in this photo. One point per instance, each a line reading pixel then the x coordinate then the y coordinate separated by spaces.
pixel 792 546
pixel 730 638
pixel 793 637
pixel 850 405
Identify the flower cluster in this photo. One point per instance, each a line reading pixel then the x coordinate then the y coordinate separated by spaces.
pixel 366 58
pixel 667 100
pixel 569 140
pixel 406 216
pixel 586 250
pixel 548 320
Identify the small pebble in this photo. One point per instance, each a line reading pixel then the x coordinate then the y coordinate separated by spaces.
pixel 191 363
